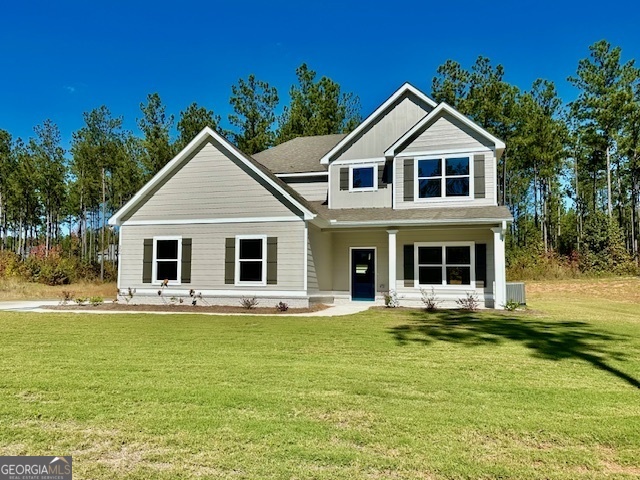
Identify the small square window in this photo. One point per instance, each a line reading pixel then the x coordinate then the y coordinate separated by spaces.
pixel 363 178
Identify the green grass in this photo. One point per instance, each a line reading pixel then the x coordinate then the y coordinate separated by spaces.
pixel 385 394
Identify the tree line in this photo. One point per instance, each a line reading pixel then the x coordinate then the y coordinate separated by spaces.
pixel 570 173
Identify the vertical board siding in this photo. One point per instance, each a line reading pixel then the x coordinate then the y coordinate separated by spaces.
pixel 210 184
pixel 406 112
pixel 478 176
pixel 209 249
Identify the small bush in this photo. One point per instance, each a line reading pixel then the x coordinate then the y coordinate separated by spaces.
pixel 469 302
pixel 511 305
pixel 80 300
pixel 282 307
pixel 95 301
pixel 249 303
pixel 391 299
pixel 429 299
pixel 66 296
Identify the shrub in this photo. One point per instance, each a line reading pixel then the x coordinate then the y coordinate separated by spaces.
pixel 66 296
pixel 469 302
pixel 282 307
pixel 95 301
pixel 391 299
pixel 249 303
pixel 429 299
pixel 80 300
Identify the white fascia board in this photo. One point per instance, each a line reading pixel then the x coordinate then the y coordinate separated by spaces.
pixel 200 221
pixel 407 87
pixel 392 223
pixel 223 293
pixel 391 151
pixel 303 174
pixel 186 151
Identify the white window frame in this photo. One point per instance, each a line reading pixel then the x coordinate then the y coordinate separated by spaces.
pixel 154 265
pixel 374 166
pixel 263 281
pixel 443 266
pixel 443 178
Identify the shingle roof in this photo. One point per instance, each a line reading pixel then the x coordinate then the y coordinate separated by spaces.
pixel 433 215
pixel 299 155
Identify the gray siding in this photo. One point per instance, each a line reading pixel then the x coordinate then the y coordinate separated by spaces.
pixel 312 191
pixel 319 260
pixel 208 253
pixel 342 241
pixel 379 136
pixel 346 199
pixel 210 185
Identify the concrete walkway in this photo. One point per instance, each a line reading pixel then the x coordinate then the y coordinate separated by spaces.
pixel 36 306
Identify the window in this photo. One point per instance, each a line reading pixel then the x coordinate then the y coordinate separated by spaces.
pixel 166 259
pixel 363 178
pixel 449 264
pixel 251 260
pixel 433 182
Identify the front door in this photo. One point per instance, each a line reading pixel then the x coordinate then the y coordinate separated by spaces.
pixel 363 275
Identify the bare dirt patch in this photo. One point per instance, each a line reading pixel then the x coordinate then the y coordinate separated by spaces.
pixel 119 307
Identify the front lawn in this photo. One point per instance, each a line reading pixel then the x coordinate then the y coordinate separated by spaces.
pixel 553 393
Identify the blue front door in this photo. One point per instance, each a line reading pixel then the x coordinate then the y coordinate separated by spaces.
pixel 363 275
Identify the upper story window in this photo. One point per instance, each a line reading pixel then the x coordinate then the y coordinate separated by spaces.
pixel 363 178
pixel 442 177
pixel 166 259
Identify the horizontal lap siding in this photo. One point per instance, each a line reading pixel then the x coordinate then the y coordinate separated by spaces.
pixel 346 199
pixel 444 135
pixel 208 252
pixel 477 235
pixel 312 191
pixel 210 185
pixel 319 258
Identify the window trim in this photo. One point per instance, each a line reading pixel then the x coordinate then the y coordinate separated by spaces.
pixel 237 281
pixel 443 178
pixel 154 265
pixel 374 166
pixel 443 245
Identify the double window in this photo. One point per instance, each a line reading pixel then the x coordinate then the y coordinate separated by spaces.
pixel 363 178
pixel 251 260
pixel 442 177
pixel 448 264
pixel 167 252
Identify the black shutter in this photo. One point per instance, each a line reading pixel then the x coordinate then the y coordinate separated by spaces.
pixel 478 177
pixel 381 176
pixel 229 260
pixel 409 274
pixel 344 178
pixel 185 270
pixel 147 260
pixel 481 265
pixel 408 180
pixel 272 260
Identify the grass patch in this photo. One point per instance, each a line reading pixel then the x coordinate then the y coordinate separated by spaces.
pixel 551 393
pixel 15 289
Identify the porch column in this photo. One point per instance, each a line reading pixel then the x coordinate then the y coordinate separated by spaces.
pixel 500 283
pixel 392 259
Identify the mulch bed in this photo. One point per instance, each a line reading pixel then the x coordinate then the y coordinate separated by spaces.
pixel 123 307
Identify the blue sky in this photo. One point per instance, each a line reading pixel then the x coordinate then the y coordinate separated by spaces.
pixel 59 59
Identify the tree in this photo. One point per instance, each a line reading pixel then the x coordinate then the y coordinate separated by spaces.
pixel 155 125
pixel 317 108
pixel 451 84
pixel 6 167
pixel 192 121
pixel 254 103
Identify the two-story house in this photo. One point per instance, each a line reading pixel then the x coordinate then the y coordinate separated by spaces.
pixel 405 202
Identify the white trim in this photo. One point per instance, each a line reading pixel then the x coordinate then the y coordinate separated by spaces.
pixel 263 281
pixel 392 281
pixel 202 137
pixel 375 271
pixel 325 160
pixel 446 151
pixel 194 221
pixel 119 258
pixel 233 293
pixel 391 151
pixel 418 222
pixel 360 160
pixel 304 174
pixel 306 256
pixel 373 166
pixel 443 180
pixel 443 265
pixel 154 265
pixel 500 279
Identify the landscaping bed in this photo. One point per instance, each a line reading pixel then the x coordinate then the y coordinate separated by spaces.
pixel 123 307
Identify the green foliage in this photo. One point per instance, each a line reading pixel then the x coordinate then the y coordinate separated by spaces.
pixel 317 108
pixel 95 301
pixel 511 305
pixel 254 103
pixel 155 126
pixel 192 121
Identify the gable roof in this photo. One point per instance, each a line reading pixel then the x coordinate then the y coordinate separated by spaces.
pixel 288 193
pixel 298 155
pixel 423 124
pixel 378 112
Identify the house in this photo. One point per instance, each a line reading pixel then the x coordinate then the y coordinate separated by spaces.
pixel 405 202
